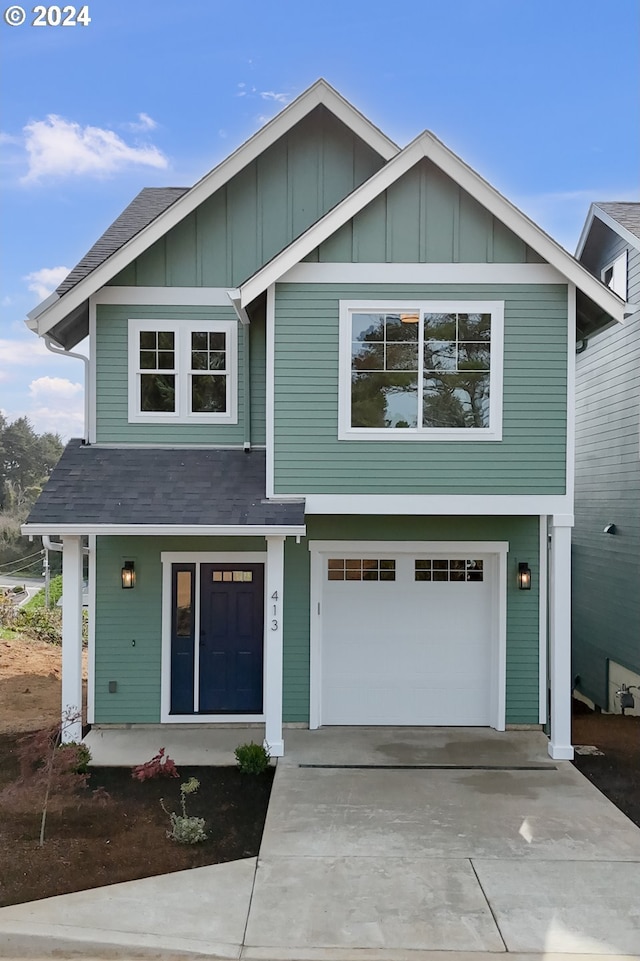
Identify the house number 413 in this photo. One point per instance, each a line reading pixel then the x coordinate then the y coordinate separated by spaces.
pixel 274 620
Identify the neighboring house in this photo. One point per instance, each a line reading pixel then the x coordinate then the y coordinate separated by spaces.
pixel 330 436
pixel 606 541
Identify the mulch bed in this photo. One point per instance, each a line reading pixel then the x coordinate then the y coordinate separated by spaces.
pixel 617 771
pixel 89 844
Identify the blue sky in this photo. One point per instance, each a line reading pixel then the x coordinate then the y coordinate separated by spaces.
pixel 542 97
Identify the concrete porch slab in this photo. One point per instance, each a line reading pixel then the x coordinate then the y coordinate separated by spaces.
pixel 402 903
pixel 185 744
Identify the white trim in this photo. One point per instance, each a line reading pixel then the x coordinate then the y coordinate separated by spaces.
pixel 170 530
pixel 270 390
pixel 543 614
pixel 164 296
pixel 611 223
pixel 619 274
pixel 273 646
pixel 422 434
pixel 91 645
pixel 427 145
pixel 498 550
pixel 167 559
pixel 560 642
pixel 412 273
pixel 92 425
pixel 71 712
pixel 319 93
pixel 182 329
pixel 438 504
pixel 570 471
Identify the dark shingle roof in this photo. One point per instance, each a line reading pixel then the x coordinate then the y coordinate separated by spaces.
pixel 99 485
pixel 149 204
pixel 627 215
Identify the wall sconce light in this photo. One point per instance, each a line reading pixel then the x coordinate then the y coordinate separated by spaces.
pixel 524 577
pixel 128 574
pixel 610 529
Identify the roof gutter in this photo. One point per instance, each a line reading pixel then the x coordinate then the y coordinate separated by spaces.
pixel 172 530
pixel 55 348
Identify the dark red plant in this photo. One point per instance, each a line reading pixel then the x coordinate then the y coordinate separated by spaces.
pixel 160 765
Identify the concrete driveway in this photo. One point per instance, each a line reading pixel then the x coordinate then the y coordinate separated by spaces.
pixel 383 842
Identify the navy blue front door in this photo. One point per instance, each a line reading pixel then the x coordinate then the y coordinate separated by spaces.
pixel 231 638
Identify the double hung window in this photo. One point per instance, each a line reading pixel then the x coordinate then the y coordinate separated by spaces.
pixel 419 370
pixel 182 371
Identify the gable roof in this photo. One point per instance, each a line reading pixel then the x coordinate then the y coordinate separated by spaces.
pixel 92 487
pixel 428 146
pixel 67 310
pixel 623 217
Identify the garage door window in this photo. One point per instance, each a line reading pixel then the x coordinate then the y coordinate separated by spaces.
pixel 448 569
pixel 360 569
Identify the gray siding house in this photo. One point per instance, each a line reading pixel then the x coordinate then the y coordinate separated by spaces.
pixel 606 538
pixel 327 477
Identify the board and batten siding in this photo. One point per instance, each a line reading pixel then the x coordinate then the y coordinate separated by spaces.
pixel 123 617
pixel 112 426
pixel 606 607
pixel 308 456
pixel 425 217
pixel 260 210
pixel 522 606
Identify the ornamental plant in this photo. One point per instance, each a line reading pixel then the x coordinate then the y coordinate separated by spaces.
pixel 252 758
pixel 160 765
pixel 185 828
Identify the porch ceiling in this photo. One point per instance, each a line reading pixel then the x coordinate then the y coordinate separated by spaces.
pixel 154 487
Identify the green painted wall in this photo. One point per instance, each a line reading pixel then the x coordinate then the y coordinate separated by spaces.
pixel 424 218
pixel 530 459
pixel 112 380
pixel 260 210
pixel 125 616
pixel 522 607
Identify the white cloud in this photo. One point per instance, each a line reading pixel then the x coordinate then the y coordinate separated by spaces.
pixel 23 353
pixel 8 138
pixel 44 281
pixel 59 148
pixel 278 97
pixel 144 122
pixel 7 301
pixel 54 388
pixel 57 406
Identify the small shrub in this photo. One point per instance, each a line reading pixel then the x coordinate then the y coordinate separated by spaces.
pixel 252 758
pixel 160 765
pixel 41 624
pixel 185 829
pixel 8 612
pixel 77 756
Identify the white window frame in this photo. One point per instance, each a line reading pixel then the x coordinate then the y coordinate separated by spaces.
pixel 618 282
pixel 182 329
pixel 492 433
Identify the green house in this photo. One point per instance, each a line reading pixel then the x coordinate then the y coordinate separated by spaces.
pixel 327 477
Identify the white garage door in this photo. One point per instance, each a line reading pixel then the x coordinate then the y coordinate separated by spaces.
pixel 407 639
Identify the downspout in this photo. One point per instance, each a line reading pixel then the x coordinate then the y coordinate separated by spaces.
pixel 61 352
pixel 50 545
pixel 245 323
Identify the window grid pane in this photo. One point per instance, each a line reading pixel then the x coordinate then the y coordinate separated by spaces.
pixel 448 569
pixel 360 569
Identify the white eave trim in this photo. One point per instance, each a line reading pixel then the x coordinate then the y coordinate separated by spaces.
pixel 608 221
pixel 428 146
pixel 170 530
pixel 320 93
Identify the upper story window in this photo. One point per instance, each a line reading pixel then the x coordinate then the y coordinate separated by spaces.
pixel 614 275
pixel 421 370
pixel 182 371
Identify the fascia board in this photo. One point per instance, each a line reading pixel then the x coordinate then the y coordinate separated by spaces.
pixel 319 93
pixel 172 530
pixel 586 230
pixel 427 145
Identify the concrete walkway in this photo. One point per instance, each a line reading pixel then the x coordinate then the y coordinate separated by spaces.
pixel 441 844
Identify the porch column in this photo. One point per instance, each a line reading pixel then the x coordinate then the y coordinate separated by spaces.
pixel 71 638
pixel 560 638
pixel 273 646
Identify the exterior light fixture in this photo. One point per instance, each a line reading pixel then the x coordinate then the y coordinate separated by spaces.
pixel 128 574
pixel 610 529
pixel 524 576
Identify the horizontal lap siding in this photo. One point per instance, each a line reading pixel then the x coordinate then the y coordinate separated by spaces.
pixel 522 606
pixel 112 381
pixel 606 610
pixel 529 460
pixel 136 615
